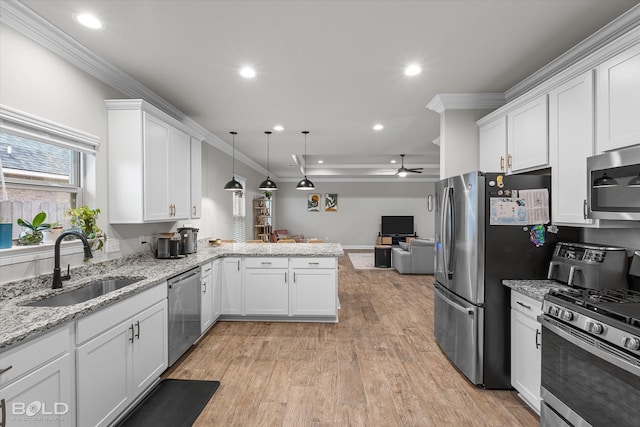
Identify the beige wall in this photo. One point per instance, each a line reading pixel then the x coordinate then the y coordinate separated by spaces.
pixel 360 206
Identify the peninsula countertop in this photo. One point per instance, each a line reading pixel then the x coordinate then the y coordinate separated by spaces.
pixel 19 322
pixel 534 288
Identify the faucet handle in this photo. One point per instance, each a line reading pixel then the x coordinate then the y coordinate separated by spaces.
pixel 68 275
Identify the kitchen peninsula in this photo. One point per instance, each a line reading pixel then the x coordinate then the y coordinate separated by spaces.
pixel 241 262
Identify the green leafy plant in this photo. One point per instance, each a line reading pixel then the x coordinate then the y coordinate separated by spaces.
pixel 85 220
pixel 268 194
pixel 32 233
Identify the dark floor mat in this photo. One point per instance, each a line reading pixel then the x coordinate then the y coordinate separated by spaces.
pixel 173 403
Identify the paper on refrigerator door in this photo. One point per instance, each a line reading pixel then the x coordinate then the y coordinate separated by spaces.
pixel 528 208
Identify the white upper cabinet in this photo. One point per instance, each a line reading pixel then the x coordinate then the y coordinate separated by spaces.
pixel 493 145
pixel 618 118
pixel 527 139
pixel 196 178
pixel 149 165
pixel 571 113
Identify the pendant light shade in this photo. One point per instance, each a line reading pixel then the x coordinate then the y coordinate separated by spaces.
pixel 233 185
pixel 604 181
pixel 634 182
pixel 267 184
pixel 305 184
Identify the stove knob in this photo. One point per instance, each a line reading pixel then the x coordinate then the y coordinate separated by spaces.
pixel 566 315
pixel 631 343
pixel 554 311
pixel 595 328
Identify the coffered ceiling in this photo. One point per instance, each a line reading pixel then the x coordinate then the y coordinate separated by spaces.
pixel 334 68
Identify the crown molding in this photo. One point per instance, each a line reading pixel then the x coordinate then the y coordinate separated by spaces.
pixel 601 38
pixel 465 101
pixel 396 180
pixel 22 19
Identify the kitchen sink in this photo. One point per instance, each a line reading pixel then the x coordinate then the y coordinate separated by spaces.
pixel 85 293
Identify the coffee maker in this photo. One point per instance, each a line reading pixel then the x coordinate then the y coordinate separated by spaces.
pixel 188 240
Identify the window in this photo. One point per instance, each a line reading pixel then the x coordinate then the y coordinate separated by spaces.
pixel 41 166
pixel 239 213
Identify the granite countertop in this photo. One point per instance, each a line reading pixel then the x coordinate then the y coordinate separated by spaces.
pixel 534 288
pixel 19 322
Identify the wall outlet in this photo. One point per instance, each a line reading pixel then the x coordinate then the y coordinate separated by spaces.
pixel 112 245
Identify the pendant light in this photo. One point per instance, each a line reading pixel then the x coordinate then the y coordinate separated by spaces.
pixel 233 185
pixel 605 181
pixel 634 182
pixel 305 184
pixel 267 184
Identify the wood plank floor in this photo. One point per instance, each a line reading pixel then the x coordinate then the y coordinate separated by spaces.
pixel 379 366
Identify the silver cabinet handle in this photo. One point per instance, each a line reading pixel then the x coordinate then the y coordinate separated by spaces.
pixel 195 210
pixel 138 333
pixel 528 307
pixel 3 409
pixel 294 277
pixel 584 208
pixel 238 265
pixel 285 277
pixel 131 328
pixel 266 263
pixel 204 287
pixel 538 333
pixel 314 263
pixel 2 371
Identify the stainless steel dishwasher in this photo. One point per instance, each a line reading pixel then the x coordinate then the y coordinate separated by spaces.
pixel 184 312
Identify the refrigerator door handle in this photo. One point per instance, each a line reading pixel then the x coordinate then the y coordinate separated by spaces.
pixel 443 229
pixel 449 250
pixel 454 304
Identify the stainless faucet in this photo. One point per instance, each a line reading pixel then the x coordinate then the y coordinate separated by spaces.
pixel 57 279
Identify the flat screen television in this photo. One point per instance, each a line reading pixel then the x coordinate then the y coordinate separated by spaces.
pixel 397 225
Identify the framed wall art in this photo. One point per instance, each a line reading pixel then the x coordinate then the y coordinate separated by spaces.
pixel 313 202
pixel 331 202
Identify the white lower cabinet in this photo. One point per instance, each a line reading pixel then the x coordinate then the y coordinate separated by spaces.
pixel 231 292
pixel 206 299
pixel 44 395
pixel 266 286
pixel 116 365
pixel 526 348
pixel 216 282
pixel 314 290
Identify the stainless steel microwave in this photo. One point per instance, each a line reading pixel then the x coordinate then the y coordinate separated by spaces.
pixel 614 185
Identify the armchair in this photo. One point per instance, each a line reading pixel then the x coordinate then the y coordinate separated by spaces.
pixel 417 258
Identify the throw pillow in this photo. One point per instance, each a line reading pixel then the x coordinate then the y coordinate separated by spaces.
pixel 404 245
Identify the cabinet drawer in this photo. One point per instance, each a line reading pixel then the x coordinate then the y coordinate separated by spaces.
pixel 263 262
pixel 32 354
pixel 205 269
pixel 102 320
pixel 311 262
pixel 526 305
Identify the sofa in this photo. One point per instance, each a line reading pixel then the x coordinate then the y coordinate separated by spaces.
pixel 415 257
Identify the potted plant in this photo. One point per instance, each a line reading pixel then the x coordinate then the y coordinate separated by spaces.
pixel 31 233
pixel 85 220
pixel 50 235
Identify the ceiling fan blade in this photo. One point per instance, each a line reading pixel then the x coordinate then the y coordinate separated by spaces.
pixel 415 170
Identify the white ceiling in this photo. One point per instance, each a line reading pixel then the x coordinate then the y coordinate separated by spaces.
pixel 334 68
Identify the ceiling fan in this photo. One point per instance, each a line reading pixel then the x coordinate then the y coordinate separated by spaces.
pixel 402 172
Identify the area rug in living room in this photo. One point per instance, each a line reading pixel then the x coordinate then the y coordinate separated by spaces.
pixel 363 261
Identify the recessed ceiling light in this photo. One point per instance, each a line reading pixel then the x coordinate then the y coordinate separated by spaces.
pixel 378 127
pixel 392 161
pixel 412 70
pixel 278 128
pixel 248 72
pixel 320 161
pixel 88 21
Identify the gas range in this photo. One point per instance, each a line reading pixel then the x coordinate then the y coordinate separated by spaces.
pixel 611 315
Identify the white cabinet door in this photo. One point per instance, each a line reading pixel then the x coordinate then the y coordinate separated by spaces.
pixel 180 175
pixel 104 376
pixel 618 116
pixel 231 286
pixel 157 176
pixel 206 299
pixel 525 357
pixel 216 279
pixel 266 291
pixel 527 138
pixel 571 111
pixel 313 292
pixel 493 146
pixel 196 178
pixel 149 348
pixel 44 397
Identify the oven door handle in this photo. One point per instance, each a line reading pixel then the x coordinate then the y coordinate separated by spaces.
pixel 631 367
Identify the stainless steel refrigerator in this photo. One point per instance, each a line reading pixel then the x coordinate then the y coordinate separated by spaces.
pixel 471 306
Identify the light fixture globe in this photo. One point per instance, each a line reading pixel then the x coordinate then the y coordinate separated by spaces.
pixel 605 181
pixel 233 185
pixel 305 184
pixel 267 184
